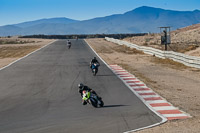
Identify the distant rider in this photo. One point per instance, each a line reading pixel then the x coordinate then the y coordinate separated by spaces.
pixel 68 44
pixel 85 88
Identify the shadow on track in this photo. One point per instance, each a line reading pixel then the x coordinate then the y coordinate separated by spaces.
pixel 106 75
pixel 112 106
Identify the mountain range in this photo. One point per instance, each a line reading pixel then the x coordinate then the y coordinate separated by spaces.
pixel 140 20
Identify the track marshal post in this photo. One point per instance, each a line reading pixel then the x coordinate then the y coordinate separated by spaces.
pixel 165 36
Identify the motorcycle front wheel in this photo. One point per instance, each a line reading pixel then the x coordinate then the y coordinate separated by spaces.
pixel 94 72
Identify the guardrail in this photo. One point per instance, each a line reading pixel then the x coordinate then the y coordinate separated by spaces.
pixel 187 60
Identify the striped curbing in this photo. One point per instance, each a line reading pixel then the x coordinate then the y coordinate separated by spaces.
pixel 152 99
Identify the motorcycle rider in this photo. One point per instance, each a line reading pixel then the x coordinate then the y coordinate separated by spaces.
pixel 68 44
pixel 85 88
pixel 93 61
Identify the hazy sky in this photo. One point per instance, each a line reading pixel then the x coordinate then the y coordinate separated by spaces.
pixel 16 11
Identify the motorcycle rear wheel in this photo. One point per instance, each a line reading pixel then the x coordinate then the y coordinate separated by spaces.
pixel 93 102
pixel 101 104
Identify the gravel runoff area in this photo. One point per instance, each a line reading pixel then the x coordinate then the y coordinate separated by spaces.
pixel 178 84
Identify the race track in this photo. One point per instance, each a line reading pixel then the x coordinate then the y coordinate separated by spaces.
pixel 39 94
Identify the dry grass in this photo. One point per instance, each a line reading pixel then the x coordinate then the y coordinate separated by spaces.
pixel 188 48
pixel 106 49
pixel 14 41
pixel 136 73
pixel 13 52
pixel 103 49
pixel 169 63
pixel 127 50
pixel 13 48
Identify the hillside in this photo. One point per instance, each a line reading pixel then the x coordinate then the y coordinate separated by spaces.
pixel 140 20
pixel 46 21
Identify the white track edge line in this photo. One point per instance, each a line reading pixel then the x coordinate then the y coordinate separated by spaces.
pixel 174 115
pixel 157 101
pixel 165 108
pixel 149 91
pixel 150 96
pixel 162 117
pixel 26 56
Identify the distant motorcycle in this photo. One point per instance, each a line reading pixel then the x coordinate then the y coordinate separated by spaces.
pixel 92 99
pixel 69 45
pixel 94 68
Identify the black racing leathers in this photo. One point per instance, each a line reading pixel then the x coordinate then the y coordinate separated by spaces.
pixel 94 61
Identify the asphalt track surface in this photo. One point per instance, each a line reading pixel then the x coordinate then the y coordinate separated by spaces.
pixel 39 94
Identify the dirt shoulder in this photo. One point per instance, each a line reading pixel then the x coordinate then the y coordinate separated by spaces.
pixel 12 49
pixel 173 81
